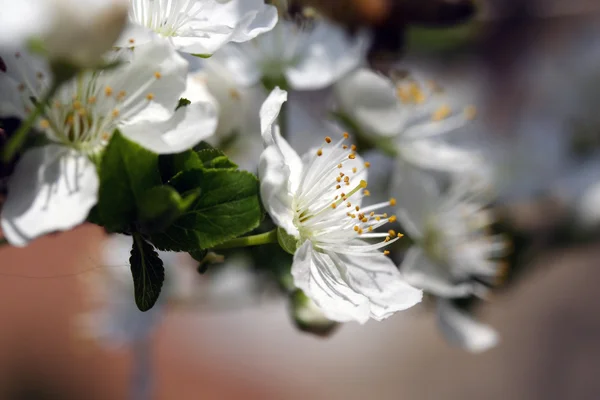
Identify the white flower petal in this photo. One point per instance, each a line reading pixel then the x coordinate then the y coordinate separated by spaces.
pixel 317 275
pixel 275 192
pixel 329 54
pixel 437 155
pixel 186 128
pixel 463 330
pixel 417 196
pixel 420 271
pixel 377 278
pixel 370 100
pixel 52 189
pixel 245 70
pixel 280 167
pixel 159 72
pixel 269 112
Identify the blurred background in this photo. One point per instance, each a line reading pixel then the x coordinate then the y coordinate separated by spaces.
pixel 534 69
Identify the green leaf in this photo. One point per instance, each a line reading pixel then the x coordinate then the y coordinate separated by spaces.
pixel 148 273
pixel 161 206
pixel 172 164
pixel 228 207
pixel 204 158
pixel 127 172
pixel 215 159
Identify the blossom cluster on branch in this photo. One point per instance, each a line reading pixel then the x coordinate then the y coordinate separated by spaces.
pixel 137 116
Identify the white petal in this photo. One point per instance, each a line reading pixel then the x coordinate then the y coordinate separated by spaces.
pixel 420 271
pixel 437 155
pixel 141 75
pixel 269 112
pixel 234 21
pixel 417 197
pixel 52 189
pixel 274 175
pixel 369 99
pixel 330 53
pixel 241 62
pixel 186 128
pixel 21 20
pixel 377 278
pixel 463 330
pixel 319 278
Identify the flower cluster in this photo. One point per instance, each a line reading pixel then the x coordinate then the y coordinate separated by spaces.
pixel 134 116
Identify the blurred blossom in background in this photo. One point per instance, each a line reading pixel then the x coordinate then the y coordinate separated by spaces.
pixel 481 130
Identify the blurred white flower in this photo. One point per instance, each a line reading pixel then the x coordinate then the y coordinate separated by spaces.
pixel 411 113
pixel 308 58
pixel 198 26
pixel 452 243
pixel 55 186
pixel 454 255
pixel 316 201
pixel 75 31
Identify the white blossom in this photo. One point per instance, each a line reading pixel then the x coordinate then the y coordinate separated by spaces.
pixel 76 31
pixel 308 58
pixel 415 115
pixel 450 229
pixel 454 255
pixel 198 26
pixel 316 200
pixel 139 98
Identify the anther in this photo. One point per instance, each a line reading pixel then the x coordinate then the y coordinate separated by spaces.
pixel 357 208
pixel 344 147
pixel 92 100
pixel 150 96
pixel 339 166
pixel 470 112
pixel 365 219
pixel 392 202
pixel 339 179
pixel 115 113
pixel 346 135
pixel 319 152
pixel 392 218
pixel 131 41
pixel 366 193
pixel 108 91
pixel 338 187
pixel 441 113
pixel 352 156
pixel 386 252
pixel 44 124
pixel 392 232
pixel 356 228
pixel 354 170
pixel 353 147
pixel 367 164
pixel 333 205
pixel 328 139
pixel 400 235
pixel 157 75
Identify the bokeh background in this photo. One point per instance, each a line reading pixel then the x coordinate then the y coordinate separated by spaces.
pixel 535 71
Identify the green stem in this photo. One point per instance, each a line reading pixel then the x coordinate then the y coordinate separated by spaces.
pixel 246 241
pixel 17 140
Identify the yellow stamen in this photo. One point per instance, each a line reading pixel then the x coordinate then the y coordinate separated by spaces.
pixel 328 139
pixel 319 152
pixel 441 113
pixel 392 202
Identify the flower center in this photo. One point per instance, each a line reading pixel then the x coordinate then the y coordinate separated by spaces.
pixel 85 111
pixel 165 17
pixel 327 203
